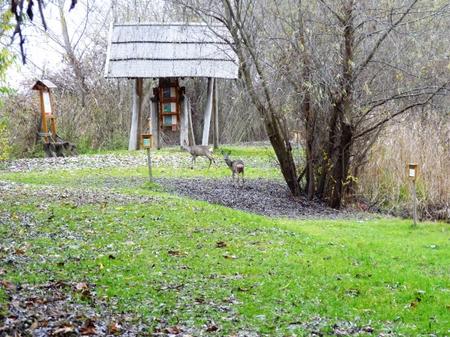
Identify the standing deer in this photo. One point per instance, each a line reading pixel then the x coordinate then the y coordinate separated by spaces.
pixel 198 151
pixel 236 167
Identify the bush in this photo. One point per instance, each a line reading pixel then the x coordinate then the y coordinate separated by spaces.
pixel 5 148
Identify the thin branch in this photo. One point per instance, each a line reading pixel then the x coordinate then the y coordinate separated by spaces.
pixel 380 41
pixel 402 111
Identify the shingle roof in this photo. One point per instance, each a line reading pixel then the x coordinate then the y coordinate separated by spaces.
pixel 170 50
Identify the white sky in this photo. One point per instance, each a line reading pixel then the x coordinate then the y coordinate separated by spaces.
pixel 44 55
pixel 42 52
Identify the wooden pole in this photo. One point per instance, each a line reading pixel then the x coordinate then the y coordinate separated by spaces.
pixel 208 110
pixel 133 140
pixel 155 122
pixel 191 135
pixel 184 123
pixel 140 99
pixel 414 194
pixel 149 162
pixel 215 117
pixel 44 126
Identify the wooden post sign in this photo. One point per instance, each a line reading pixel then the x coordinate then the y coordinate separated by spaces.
pixel 146 143
pixel 412 171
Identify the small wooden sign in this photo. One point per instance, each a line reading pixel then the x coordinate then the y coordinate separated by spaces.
pixel 412 171
pixel 47 102
pixel 146 140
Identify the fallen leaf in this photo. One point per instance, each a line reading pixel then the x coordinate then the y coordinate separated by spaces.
pixel 114 328
pixel 81 286
pixel 66 329
pixel 176 253
pixel 221 244
pixel 20 251
pixel 88 328
pixel 7 285
pixel 212 327
pixel 175 330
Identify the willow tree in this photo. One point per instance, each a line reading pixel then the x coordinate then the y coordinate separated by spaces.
pixel 338 70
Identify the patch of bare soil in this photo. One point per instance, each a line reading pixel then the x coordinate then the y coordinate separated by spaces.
pixel 265 197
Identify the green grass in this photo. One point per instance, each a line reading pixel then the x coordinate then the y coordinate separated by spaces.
pixel 160 260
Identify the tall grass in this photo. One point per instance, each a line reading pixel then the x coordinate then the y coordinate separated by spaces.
pixel 384 181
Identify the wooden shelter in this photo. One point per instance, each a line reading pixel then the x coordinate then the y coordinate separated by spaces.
pixel 170 52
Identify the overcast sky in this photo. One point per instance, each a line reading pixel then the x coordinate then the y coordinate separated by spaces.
pixel 42 52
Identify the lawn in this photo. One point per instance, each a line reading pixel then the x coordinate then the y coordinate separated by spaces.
pixel 193 264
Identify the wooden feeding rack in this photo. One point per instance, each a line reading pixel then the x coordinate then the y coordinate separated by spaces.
pixel 53 144
pixel 47 108
pixel 169 103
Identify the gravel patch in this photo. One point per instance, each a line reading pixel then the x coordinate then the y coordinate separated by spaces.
pixel 75 196
pixel 265 197
pixel 134 159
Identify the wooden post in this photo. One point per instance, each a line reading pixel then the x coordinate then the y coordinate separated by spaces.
pixel 133 143
pixel 44 126
pixel 412 171
pixel 184 123
pixel 215 118
pixel 149 162
pixel 190 124
pixel 208 110
pixel 414 202
pixel 155 121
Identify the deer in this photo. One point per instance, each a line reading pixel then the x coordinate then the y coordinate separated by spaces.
pixel 198 151
pixel 236 167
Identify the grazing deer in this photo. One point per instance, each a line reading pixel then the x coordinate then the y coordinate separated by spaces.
pixel 236 167
pixel 199 151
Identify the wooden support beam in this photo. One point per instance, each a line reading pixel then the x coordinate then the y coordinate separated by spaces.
pixel 184 122
pixel 190 124
pixel 136 113
pixel 155 122
pixel 215 117
pixel 208 110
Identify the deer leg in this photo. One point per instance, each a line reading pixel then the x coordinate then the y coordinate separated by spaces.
pixel 211 160
pixel 193 162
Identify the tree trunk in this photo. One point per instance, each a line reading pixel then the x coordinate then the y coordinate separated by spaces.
pixel 342 165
